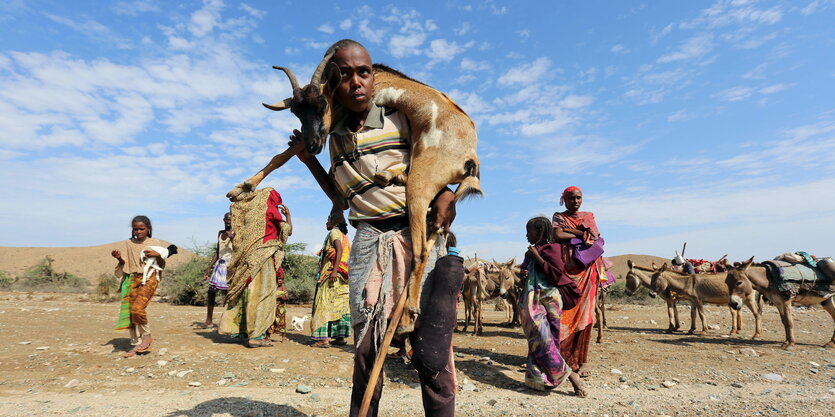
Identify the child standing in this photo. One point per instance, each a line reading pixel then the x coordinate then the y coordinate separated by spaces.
pixel 141 261
pixel 546 292
pixel 216 273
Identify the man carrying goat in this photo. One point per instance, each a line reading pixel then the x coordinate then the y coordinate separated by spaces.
pixel 367 142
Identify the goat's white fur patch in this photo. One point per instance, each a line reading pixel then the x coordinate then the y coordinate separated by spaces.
pixel 387 95
pixel 298 322
pixel 432 137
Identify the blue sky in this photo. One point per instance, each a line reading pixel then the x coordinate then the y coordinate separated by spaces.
pixel 706 122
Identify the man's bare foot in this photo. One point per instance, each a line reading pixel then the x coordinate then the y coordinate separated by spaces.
pixel 254 343
pixel 584 371
pixel 204 325
pixel 579 389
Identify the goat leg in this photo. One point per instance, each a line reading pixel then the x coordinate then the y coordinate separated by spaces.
pixel 237 193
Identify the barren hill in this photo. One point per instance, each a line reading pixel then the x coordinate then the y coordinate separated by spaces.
pixel 620 268
pixel 87 261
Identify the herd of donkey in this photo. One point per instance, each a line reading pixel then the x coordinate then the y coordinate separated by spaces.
pixel 721 283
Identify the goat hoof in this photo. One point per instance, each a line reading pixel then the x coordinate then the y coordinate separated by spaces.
pixel 403 329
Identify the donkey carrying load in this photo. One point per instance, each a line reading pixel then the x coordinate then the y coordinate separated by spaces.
pixel 783 284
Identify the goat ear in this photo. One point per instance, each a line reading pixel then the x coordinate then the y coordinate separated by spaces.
pixel 281 105
pixel 747 263
pixel 334 77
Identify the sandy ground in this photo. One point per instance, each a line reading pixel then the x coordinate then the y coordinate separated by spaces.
pixel 59 356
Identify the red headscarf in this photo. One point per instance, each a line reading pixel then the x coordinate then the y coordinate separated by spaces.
pixel 567 192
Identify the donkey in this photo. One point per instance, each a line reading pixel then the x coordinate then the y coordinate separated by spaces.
pixel 636 278
pixel 443 152
pixel 472 292
pixel 484 283
pixel 705 288
pixel 745 278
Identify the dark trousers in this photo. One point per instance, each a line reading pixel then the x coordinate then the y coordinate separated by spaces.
pixel 437 391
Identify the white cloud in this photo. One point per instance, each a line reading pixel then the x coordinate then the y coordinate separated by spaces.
pixel 679 116
pixel 256 13
pixel 372 35
pixel 205 19
pixel 468 64
pixel 735 93
pixel 574 101
pixel 135 8
pixel 774 88
pixel 472 103
pixel 345 24
pixel 694 47
pixel 326 28
pixel 617 49
pixel 443 50
pixel 463 29
pixel 526 73
pixel 405 45
pixel 92 29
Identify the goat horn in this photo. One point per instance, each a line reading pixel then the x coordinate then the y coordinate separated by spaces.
pixel 281 105
pixel 293 82
pixel 317 75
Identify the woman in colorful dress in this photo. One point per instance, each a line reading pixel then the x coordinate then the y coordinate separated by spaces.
pixel 331 322
pixel 216 274
pixel 577 324
pixel 141 261
pixel 261 232
pixel 541 308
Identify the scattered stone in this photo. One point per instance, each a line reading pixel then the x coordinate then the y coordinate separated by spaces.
pixel 492 403
pixel 676 380
pixel 622 379
pixel 229 375
pixel 277 370
pixel 315 398
pixel 815 364
pixel 713 327
pixel 222 382
pixel 813 370
pixel 162 363
pixel 130 370
pixel 303 389
pixel 469 386
pixel 736 385
pixel 617 371
pixel 668 384
pixel 459 355
pixel 194 384
pixel 25 343
pixel 633 403
pixel 773 377
pixel 652 387
pixel 72 383
pixel 285 360
pixel 712 397
pixel 172 373
pixel 730 352
pixel 832 391
pixel 184 373
pixel 42 348
pixel 749 352
pixel 653 322
pixel 162 351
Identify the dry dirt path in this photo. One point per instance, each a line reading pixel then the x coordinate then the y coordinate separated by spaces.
pixel 59 356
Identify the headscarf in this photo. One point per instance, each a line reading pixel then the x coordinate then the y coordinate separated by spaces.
pixel 568 191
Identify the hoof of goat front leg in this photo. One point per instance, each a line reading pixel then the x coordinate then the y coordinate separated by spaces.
pixel 240 190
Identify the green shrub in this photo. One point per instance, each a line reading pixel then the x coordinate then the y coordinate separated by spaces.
pixel 299 273
pixel 617 293
pixel 6 280
pixel 185 284
pixel 43 277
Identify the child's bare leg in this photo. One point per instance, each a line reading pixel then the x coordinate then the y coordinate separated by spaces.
pixel 210 307
pixel 579 389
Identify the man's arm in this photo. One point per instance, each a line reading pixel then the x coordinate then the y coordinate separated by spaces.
pixel 315 168
pixel 443 209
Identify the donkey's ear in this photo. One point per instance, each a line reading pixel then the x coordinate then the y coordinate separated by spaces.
pixel 746 264
pixel 663 267
pixel 630 264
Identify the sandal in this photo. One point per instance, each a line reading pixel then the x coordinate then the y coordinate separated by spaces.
pixel 144 346
pixel 321 344
pixel 339 342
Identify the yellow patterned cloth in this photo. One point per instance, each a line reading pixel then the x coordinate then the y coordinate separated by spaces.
pixel 251 301
pixel 331 302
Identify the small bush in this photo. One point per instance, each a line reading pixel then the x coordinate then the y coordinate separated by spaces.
pixel 6 280
pixel 185 284
pixel 108 288
pixel 617 293
pixel 43 277
pixel 299 273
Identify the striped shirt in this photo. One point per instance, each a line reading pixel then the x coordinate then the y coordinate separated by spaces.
pixel 383 143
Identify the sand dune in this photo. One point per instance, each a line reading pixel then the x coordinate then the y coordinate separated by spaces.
pixel 87 261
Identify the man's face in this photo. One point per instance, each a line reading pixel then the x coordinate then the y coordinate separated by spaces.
pixel 357 84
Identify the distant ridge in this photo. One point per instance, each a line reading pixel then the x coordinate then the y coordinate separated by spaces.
pixel 86 261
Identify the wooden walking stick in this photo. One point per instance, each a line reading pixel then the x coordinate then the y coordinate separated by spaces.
pixel 394 319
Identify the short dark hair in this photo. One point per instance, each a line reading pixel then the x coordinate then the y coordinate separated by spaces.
pixel 451 240
pixel 543 225
pixel 142 219
pixel 344 43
